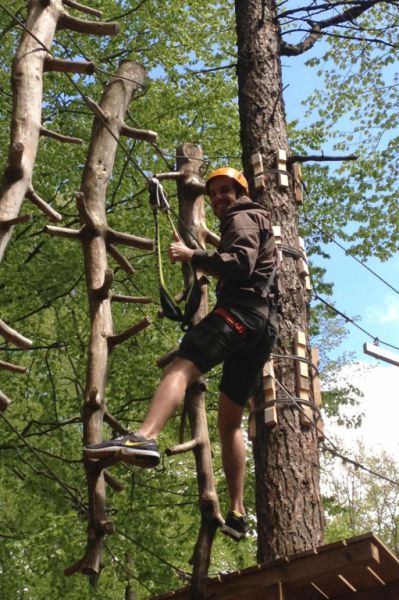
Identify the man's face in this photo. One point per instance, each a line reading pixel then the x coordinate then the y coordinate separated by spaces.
pixel 222 194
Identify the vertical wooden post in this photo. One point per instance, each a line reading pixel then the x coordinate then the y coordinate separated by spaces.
pixel 95 236
pixel 192 219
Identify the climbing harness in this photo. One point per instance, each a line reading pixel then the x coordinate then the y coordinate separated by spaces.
pixel 232 321
pixel 192 295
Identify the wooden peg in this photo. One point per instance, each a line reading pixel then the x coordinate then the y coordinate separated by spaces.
pixel 68 66
pixel 66 139
pixel 269 394
pixel 282 175
pixel 14 337
pixel 46 209
pixel 139 134
pixel 114 340
pixel 90 27
pixel 11 367
pixel 4 402
pixel 7 223
pixel 303 266
pixel 297 172
pixel 84 9
pixel 302 378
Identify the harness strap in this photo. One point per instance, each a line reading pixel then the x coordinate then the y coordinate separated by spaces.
pixel 231 320
pixel 159 201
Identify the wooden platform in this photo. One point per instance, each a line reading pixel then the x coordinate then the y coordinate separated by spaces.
pixel 360 568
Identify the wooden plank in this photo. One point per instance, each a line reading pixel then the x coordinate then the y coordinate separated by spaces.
pixel 387 592
pixel 323 564
pixel 299 571
pixel 271 592
pixel 305 592
pixel 296 575
pixel 381 353
pixel 361 579
pixel 333 586
pixel 387 568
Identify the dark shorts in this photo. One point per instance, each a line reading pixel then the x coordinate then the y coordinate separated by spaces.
pixel 214 341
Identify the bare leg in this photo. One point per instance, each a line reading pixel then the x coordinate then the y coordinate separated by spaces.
pixel 233 450
pixel 177 377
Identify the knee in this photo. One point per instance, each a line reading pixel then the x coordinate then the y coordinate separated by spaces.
pixel 182 368
pixel 227 426
pixel 229 416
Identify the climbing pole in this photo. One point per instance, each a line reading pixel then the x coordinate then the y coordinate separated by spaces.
pixel 194 232
pixel 32 60
pixel 99 240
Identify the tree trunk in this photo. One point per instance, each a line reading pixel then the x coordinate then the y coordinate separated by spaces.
pixel 288 499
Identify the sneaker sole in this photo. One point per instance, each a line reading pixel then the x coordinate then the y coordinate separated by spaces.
pixel 235 535
pixel 130 455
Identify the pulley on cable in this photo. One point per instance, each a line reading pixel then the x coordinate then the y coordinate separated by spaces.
pixel 192 295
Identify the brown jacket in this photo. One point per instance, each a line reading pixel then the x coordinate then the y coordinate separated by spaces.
pixel 245 257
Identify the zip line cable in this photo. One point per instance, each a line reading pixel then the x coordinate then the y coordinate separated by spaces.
pixel 333 449
pixel 352 322
pixel 347 252
pixel 358 465
pixel 375 338
pixel 185 576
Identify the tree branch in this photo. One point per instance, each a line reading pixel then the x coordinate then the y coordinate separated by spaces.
pixel 318 158
pixel 348 15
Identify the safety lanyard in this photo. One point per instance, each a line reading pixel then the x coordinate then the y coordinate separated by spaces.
pixel 159 202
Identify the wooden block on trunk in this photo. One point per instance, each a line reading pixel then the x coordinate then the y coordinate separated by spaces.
pixel 303 267
pixel 302 379
pixel 282 175
pixel 269 394
pixel 277 236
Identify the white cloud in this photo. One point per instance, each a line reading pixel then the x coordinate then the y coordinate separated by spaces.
pixel 380 429
pixel 387 313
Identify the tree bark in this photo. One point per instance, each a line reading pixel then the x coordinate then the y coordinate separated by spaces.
pixel 288 499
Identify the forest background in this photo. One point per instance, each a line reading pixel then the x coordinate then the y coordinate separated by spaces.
pixel 189 52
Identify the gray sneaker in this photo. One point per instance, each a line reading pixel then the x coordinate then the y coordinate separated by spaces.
pixel 132 448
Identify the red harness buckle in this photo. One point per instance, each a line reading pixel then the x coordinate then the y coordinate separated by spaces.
pixel 231 320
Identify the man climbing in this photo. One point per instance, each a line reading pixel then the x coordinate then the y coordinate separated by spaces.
pixel 239 332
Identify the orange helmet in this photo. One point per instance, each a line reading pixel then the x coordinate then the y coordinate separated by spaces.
pixel 237 176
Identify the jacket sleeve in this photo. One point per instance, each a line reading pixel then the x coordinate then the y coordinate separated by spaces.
pixel 237 253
